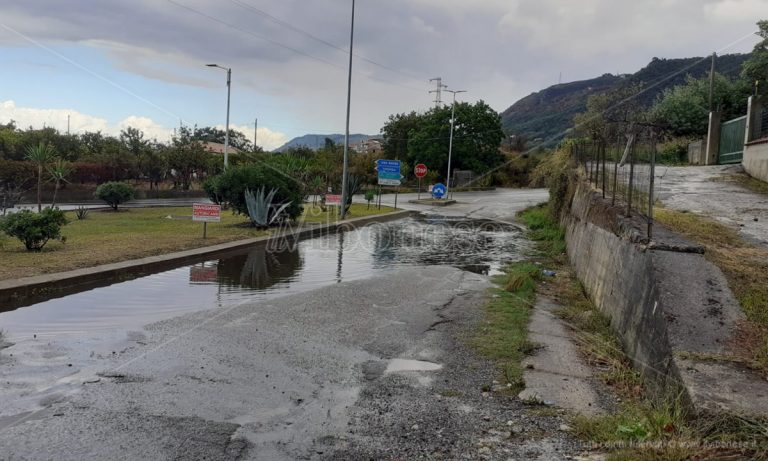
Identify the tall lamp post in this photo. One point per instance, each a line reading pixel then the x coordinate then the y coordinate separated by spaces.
pixel 226 134
pixel 450 143
pixel 345 169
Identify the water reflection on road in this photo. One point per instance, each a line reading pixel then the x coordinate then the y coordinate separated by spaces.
pixel 265 272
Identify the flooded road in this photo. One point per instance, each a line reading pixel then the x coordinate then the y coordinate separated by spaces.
pixel 262 273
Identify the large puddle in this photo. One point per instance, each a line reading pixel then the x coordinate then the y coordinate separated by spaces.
pixel 263 272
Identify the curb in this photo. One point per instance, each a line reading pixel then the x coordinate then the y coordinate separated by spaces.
pixel 14 293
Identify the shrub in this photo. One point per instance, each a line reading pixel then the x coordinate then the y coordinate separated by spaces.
pixel 673 151
pixel 34 229
pixel 230 186
pixel 81 213
pixel 115 193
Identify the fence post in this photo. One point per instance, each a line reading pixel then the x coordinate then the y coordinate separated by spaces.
pixel 602 151
pixel 651 186
pixel 616 168
pixel 631 178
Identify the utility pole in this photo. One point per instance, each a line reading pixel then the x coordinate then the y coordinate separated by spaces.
pixel 438 90
pixel 255 133
pixel 67 124
pixel 450 143
pixel 345 170
pixel 226 134
pixel 712 82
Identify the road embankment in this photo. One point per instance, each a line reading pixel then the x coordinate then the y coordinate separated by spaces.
pixel 672 308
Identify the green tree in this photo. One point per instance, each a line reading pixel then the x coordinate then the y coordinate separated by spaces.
pixel 684 109
pixel 186 157
pixel 212 134
pixel 59 172
pixel 755 69
pixel 41 155
pixel 476 139
pixel 398 131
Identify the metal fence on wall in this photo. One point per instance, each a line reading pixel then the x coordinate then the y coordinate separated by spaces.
pixel 623 170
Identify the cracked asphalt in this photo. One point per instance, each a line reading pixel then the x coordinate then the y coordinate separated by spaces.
pixel 378 368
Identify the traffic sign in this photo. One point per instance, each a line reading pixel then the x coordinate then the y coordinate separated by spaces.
pixel 438 190
pixel 333 200
pixel 206 212
pixel 388 172
pixel 420 170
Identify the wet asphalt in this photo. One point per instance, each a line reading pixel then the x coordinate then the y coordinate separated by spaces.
pixel 378 368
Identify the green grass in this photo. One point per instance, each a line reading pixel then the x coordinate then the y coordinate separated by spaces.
pixel 315 214
pixel 545 231
pixel 106 237
pixel 503 336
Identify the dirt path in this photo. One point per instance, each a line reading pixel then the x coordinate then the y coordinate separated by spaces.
pixel 712 191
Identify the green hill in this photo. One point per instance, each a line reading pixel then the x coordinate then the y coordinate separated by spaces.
pixel 547 114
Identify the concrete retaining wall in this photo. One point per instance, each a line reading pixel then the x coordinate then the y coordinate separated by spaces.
pixel 755 159
pixel 617 272
pixel 672 308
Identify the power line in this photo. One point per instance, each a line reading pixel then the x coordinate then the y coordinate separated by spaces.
pixel 287 47
pixel 290 26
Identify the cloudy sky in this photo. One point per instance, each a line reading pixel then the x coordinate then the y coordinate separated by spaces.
pixel 111 64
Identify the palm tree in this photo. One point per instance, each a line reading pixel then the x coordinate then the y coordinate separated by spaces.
pixel 59 172
pixel 41 155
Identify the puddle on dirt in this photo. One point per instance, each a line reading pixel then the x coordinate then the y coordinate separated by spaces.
pixel 263 272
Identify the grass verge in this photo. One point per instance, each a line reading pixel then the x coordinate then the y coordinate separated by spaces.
pixel 640 428
pixel 108 237
pixel 744 265
pixel 503 336
pixel 746 181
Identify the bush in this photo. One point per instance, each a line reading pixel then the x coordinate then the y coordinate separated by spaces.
pixel 115 193
pixel 230 186
pixel 34 229
pixel 673 151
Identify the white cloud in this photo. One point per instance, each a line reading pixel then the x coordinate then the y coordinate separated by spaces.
pixel 267 138
pixel 26 117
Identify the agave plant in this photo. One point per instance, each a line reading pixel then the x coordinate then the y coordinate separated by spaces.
pixel 260 208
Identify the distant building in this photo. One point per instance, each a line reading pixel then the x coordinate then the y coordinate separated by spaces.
pixel 370 146
pixel 218 148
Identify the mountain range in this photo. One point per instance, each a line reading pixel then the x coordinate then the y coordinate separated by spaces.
pixel 547 114
pixel 317 141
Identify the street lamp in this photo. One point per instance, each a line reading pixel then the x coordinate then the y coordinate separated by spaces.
pixel 345 166
pixel 450 143
pixel 226 135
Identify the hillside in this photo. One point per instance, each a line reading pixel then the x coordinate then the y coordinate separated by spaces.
pixel 547 114
pixel 316 141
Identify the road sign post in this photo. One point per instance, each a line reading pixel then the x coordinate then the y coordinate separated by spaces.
pixel 438 191
pixel 205 213
pixel 420 171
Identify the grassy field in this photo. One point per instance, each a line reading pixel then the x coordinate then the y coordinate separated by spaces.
pixel 107 237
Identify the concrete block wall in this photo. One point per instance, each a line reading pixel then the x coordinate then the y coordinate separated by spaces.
pixel 618 274
pixel 755 159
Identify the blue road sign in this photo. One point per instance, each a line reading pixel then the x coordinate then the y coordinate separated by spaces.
pixel 438 190
pixel 388 172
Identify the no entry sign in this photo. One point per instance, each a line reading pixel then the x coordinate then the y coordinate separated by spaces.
pixel 206 212
pixel 420 170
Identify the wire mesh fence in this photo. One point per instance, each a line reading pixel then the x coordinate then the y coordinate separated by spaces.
pixel 622 168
